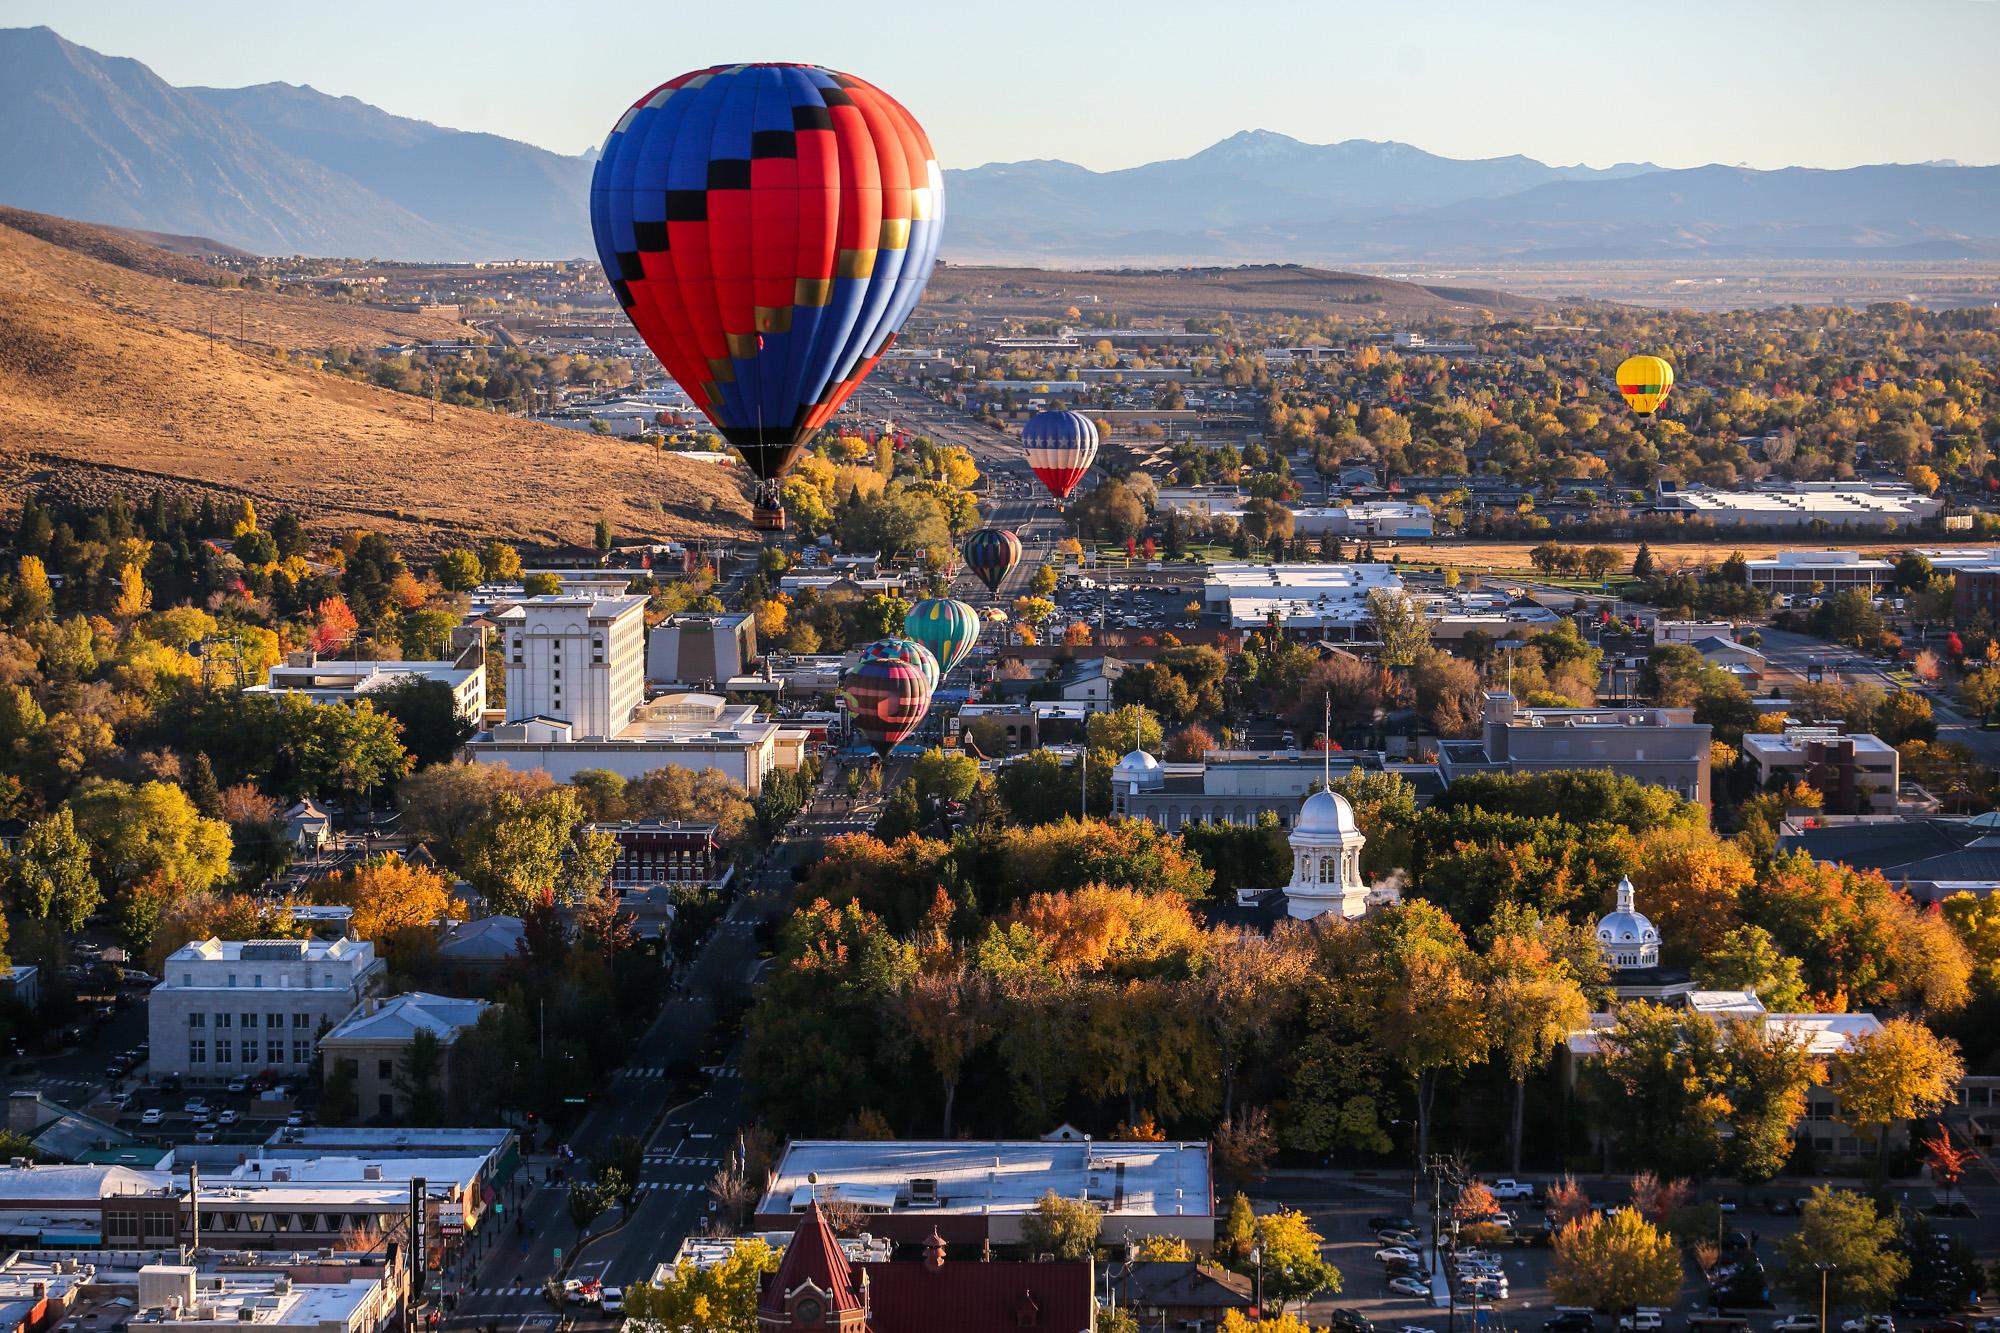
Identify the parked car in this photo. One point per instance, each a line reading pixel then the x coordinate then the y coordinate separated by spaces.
pixel 1641 1321
pixel 1397 1254
pixel 1569 1321
pixel 1350 1321
pixel 1870 1323
pixel 1409 1286
pixel 227 1118
pixel 1796 1323
pixel 1508 1188
pixel 195 1106
pixel 152 1115
pixel 1406 1238
pixel 612 1300
pixel 206 1134
pixel 239 1084
pixel 1391 1224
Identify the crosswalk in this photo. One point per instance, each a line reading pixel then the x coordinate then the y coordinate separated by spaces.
pixel 690 1187
pixel 722 1071
pixel 643 1072
pixel 669 1159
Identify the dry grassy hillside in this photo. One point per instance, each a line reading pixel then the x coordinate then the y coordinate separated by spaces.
pixel 57 259
pixel 1286 289
pixel 102 388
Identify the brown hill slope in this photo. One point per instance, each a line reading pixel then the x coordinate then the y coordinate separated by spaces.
pixel 1283 289
pixel 57 259
pixel 102 389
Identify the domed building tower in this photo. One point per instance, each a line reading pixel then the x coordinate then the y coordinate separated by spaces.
pixel 1625 937
pixel 1137 772
pixel 1326 859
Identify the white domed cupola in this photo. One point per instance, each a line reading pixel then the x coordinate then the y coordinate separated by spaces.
pixel 1625 937
pixel 1326 859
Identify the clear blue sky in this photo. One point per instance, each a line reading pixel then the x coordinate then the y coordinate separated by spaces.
pixel 1764 82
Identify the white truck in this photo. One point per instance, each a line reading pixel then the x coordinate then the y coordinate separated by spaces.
pixel 1507 1188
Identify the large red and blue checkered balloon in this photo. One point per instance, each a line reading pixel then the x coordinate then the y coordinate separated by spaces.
pixel 767 228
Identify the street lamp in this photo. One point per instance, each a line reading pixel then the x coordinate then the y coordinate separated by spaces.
pixel 1824 1269
pixel 1257 1257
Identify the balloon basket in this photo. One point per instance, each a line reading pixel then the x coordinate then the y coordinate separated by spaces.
pixel 770 519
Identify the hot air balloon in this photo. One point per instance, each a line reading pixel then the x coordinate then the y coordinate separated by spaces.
pixel 886 700
pixel 991 554
pixel 1061 447
pixel 1645 380
pixel 905 650
pixel 947 627
pixel 767 228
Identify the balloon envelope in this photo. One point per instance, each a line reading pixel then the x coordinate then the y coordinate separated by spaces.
pixel 905 650
pixel 1061 447
pixel 1645 381
pixel 944 625
pixel 767 228
pixel 886 700
pixel 991 554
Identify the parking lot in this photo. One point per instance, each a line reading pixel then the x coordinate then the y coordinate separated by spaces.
pixel 1342 1209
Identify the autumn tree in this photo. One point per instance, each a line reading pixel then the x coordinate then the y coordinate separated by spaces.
pixel 389 896
pixel 1533 1004
pixel 948 1015
pixel 1746 958
pixel 1064 1228
pixel 1618 1261
pixel 1292 1266
pixel 1691 882
pixel 1433 1017
pixel 1844 1242
pixel 49 876
pixel 1900 1072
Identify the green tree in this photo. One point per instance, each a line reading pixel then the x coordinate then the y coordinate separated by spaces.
pixel 1663 1080
pixel 880 615
pixel 601 535
pixel 335 748
pixel 1124 729
pixel 1614 1262
pixel 536 850
pixel 1042 583
pixel 499 563
pixel 1239 1233
pixel 944 777
pixel 459 570
pixel 1433 1018
pixel 1746 958
pixel 50 876
pixel 1842 1229
pixel 1065 1228
pixel 1401 626
pixel 426 714
pixel 420 1076
pixel 148 830
pixel 541 585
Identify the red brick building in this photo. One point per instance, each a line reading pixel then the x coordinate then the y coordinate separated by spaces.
pixel 816 1290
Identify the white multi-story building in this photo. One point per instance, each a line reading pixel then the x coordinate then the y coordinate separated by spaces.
pixel 337 682
pixel 226 1008
pixel 1800 504
pixel 1794 573
pixel 576 659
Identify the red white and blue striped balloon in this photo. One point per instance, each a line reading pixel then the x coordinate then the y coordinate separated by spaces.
pixel 1061 447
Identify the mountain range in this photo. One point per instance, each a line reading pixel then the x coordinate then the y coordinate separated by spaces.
pixel 279 169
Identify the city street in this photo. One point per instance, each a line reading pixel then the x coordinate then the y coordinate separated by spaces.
pixel 683 1144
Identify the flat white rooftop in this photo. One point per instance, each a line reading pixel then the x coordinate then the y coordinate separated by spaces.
pixel 1794 742
pixel 1004 1176
pixel 1820 560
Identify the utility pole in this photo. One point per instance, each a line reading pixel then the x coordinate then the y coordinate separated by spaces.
pixel 194 1206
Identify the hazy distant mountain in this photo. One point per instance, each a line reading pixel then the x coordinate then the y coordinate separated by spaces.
pixel 499 195
pixel 106 140
pixel 273 169
pixel 1264 196
pixel 280 169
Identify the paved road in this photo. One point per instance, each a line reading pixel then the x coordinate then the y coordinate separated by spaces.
pixel 683 1145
